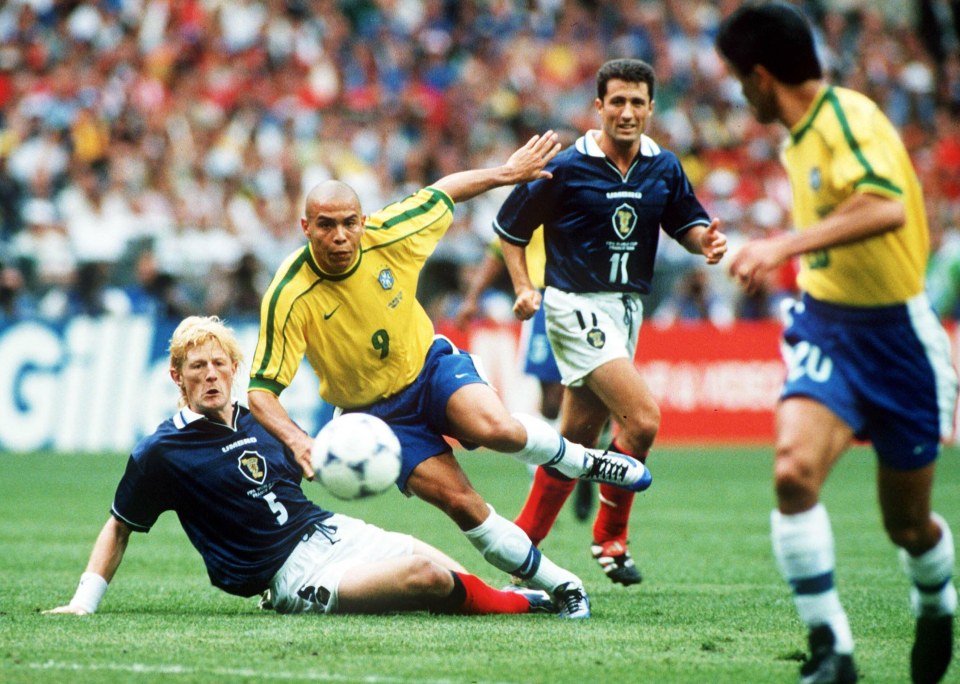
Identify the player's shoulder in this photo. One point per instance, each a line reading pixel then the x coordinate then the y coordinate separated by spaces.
pixel 851 98
pixel 849 111
pixel 428 200
pixel 248 426
pixel 298 265
pixel 155 444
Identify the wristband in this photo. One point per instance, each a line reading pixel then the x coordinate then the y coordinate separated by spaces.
pixel 89 592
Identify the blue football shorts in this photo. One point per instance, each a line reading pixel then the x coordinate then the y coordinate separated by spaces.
pixel 538 359
pixel 885 371
pixel 418 413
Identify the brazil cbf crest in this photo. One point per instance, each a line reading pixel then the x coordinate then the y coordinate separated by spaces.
pixel 386 279
pixel 253 466
pixel 624 220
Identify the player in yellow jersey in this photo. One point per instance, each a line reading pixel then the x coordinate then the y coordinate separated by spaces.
pixel 347 301
pixel 866 356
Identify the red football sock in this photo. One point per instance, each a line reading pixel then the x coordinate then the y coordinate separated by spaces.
pixel 547 496
pixel 615 505
pixel 482 599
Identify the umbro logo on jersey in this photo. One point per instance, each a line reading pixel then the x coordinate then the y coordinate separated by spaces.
pixel 253 466
pixel 327 316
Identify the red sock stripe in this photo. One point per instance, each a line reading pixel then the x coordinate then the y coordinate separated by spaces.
pixel 482 599
pixel 614 514
pixel 543 504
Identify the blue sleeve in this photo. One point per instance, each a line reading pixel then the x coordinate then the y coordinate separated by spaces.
pixel 141 496
pixel 528 207
pixel 684 210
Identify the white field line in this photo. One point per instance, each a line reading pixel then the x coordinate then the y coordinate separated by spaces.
pixel 186 670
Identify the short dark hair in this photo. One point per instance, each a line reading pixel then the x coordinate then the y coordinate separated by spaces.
pixel 775 35
pixel 628 70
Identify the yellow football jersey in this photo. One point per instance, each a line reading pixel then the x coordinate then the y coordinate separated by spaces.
pixel 363 331
pixel 844 145
pixel 536 253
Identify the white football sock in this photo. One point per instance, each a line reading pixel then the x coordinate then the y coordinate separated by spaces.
pixel 933 592
pixel 803 547
pixel 545 446
pixel 507 547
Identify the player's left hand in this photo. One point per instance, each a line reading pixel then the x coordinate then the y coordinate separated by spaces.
pixel 713 243
pixel 528 162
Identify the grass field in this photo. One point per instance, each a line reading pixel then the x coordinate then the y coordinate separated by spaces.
pixel 711 609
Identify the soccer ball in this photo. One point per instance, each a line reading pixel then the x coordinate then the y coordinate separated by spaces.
pixel 356 455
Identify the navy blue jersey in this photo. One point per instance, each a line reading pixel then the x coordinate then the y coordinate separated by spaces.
pixel 602 227
pixel 235 489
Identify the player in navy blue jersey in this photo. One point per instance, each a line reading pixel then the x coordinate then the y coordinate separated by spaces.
pixel 602 211
pixel 236 490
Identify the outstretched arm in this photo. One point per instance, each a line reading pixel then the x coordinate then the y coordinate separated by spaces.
pixel 524 165
pixel 104 560
pixel 269 412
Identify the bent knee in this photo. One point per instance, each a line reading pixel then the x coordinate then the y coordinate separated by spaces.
pixel 916 536
pixel 500 432
pixel 638 432
pixel 465 506
pixel 424 577
pixel 795 479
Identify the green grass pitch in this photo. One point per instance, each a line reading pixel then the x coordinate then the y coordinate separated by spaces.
pixel 712 607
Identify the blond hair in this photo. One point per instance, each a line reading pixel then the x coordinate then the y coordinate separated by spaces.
pixel 196 330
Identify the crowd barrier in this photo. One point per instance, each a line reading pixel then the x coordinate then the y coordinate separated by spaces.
pixel 100 384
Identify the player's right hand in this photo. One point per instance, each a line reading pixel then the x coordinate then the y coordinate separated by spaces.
pixel 526 304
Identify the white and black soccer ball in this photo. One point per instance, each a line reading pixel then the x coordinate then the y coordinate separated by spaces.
pixel 356 455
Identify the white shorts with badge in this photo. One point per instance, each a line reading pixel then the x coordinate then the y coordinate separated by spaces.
pixel 310 579
pixel 588 330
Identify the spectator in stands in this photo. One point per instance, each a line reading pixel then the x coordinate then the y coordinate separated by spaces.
pixel 43 249
pixel 16 303
pixel 158 99
pixel 693 299
pixel 156 292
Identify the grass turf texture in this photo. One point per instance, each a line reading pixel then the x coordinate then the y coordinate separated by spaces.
pixel 712 607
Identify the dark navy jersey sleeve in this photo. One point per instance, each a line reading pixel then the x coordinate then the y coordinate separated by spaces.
pixel 235 491
pixel 141 498
pixel 528 206
pixel 684 210
pixel 602 226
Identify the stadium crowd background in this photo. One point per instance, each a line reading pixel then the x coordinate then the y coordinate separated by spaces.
pixel 154 153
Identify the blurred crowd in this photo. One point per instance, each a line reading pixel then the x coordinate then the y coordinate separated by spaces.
pixel 154 153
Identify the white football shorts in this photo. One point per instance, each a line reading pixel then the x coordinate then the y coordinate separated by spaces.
pixel 309 581
pixel 590 329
